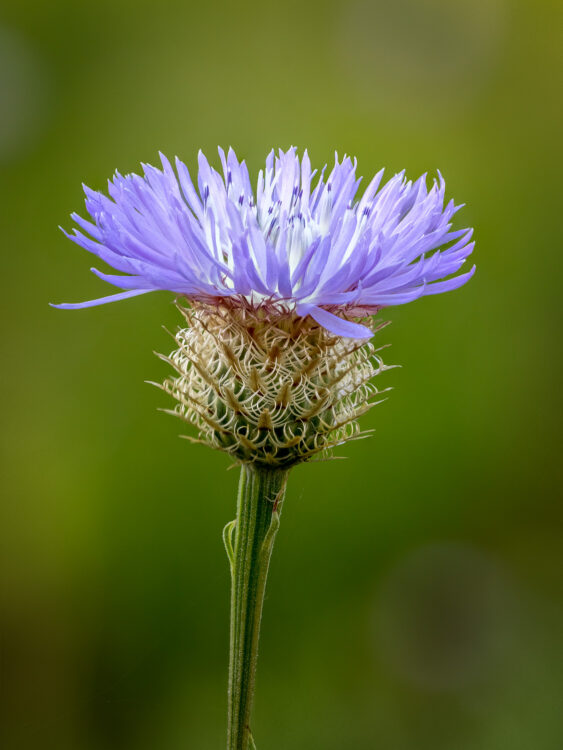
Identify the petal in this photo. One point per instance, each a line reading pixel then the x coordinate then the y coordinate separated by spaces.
pixel 101 300
pixel 450 284
pixel 334 324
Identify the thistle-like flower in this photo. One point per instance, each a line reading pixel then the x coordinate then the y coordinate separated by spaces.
pixel 268 369
pixel 277 288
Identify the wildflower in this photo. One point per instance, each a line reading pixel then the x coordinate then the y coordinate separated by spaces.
pixel 278 279
pixel 278 288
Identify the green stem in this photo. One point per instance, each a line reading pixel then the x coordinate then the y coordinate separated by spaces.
pixel 261 492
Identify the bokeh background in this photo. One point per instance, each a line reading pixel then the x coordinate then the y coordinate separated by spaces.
pixel 415 598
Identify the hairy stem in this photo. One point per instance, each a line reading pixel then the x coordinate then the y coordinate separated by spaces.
pixel 249 541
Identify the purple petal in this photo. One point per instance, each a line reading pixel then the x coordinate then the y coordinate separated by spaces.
pixel 337 325
pixel 101 300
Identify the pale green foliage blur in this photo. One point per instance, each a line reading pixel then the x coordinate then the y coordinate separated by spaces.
pixel 415 597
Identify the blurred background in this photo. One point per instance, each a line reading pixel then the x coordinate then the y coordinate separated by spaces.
pixel 415 595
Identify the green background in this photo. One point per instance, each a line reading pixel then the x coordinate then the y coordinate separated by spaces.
pixel 415 597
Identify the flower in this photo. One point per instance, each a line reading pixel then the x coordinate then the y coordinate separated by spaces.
pixel 268 368
pixel 295 246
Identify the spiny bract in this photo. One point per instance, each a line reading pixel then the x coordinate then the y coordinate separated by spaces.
pixel 273 392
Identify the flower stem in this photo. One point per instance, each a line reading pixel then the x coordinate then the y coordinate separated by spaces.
pixel 261 492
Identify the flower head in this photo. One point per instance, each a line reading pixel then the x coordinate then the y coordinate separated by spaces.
pixel 300 244
pixel 269 368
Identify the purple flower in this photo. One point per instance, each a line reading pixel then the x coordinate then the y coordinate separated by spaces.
pixel 296 244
